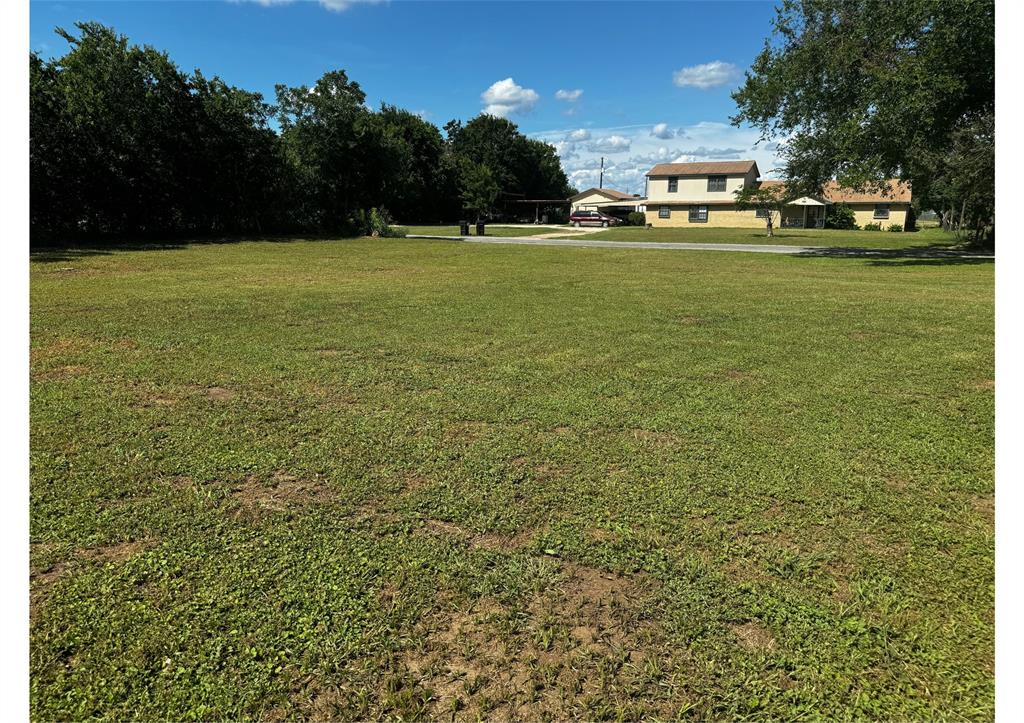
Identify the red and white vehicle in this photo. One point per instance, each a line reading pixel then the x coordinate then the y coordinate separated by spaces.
pixel 592 218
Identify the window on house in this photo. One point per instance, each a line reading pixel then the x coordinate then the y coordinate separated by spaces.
pixel 763 213
pixel 881 210
pixel 663 212
pixel 716 183
pixel 698 214
pixel 673 184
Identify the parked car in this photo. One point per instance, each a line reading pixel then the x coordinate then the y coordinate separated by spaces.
pixel 592 218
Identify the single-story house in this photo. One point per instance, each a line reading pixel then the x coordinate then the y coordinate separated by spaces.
pixel 608 200
pixel 680 194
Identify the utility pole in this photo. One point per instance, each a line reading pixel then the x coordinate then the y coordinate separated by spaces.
pixel 600 184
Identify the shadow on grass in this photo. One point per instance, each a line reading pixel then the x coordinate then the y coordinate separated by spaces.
pixel 70 252
pixel 931 255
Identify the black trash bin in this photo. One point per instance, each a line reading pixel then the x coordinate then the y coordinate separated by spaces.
pixel 479 228
pixel 463 228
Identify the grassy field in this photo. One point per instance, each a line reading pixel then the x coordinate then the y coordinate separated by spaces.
pixel 489 230
pixel 397 478
pixel 789 236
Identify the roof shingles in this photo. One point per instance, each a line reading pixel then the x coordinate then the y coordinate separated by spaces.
pixel 702 168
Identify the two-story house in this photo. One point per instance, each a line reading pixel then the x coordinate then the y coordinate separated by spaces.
pixel 703 193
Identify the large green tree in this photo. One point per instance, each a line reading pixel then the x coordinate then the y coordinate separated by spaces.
pixel 863 90
pixel 123 143
pixel 521 166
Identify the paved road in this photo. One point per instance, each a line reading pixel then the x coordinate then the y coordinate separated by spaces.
pixel 742 248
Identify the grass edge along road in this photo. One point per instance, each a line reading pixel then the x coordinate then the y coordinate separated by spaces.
pixel 369 478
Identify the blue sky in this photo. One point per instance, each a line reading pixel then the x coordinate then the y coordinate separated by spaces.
pixel 636 82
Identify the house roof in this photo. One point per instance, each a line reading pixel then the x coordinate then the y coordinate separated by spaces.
pixel 894 191
pixel 607 192
pixel 628 201
pixel 703 168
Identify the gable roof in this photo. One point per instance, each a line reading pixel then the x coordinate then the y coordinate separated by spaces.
pixel 894 191
pixel 606 192
pixel 703 168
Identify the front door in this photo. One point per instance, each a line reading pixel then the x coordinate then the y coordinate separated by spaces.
pixel 812 217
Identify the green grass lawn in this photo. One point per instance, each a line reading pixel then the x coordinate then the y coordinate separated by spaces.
pixel 788 236
pixel 398 478
pixel 489 230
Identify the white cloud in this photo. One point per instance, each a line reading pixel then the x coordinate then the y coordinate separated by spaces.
pixel 658 155
pixel 569 96
pixel 706 75
pixel 332 5
pixel 705 152
pixel 662 130
pixel 505 97
pixel 610 144
pixel 708 140
pixel 565 149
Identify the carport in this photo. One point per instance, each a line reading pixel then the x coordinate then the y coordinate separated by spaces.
pixel 537 203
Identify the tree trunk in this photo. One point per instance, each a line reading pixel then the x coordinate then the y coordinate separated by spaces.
pixel 768 225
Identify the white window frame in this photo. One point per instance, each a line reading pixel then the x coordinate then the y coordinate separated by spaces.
pixel 882 210
pixel 718 180
pixel 673 181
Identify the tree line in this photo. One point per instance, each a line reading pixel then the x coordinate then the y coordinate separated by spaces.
pixel 123 144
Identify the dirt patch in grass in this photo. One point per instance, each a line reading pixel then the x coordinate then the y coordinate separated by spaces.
pixel 479 541
pixel 569 651
pixel 985 505
pixel 220 394
pixel 42 581
pixel 754 637
pixel 61 373
pixel 61 347
pixel 255 496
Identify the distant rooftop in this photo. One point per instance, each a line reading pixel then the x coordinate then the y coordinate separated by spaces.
pixel 702 168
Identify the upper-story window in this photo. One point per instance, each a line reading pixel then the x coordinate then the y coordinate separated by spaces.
pixel 716 183
pixel 881 210
pixel 673 184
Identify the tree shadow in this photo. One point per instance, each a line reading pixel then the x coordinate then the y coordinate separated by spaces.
pixel 930 255
pixel 71 252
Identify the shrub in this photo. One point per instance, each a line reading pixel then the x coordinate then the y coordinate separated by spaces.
pixel 376 222
pixel 872 227
pixel 380 220
pixel 841 216
pixel 636 218
pixel 895 227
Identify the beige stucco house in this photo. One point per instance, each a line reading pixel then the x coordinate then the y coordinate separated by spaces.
pixel 703 193
pixel 607 200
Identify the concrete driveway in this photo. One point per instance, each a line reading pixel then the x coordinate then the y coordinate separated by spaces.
pixel 544 240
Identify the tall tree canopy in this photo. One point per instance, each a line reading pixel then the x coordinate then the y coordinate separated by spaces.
pixel 125 144
pixel 863 90
pixel 521 166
